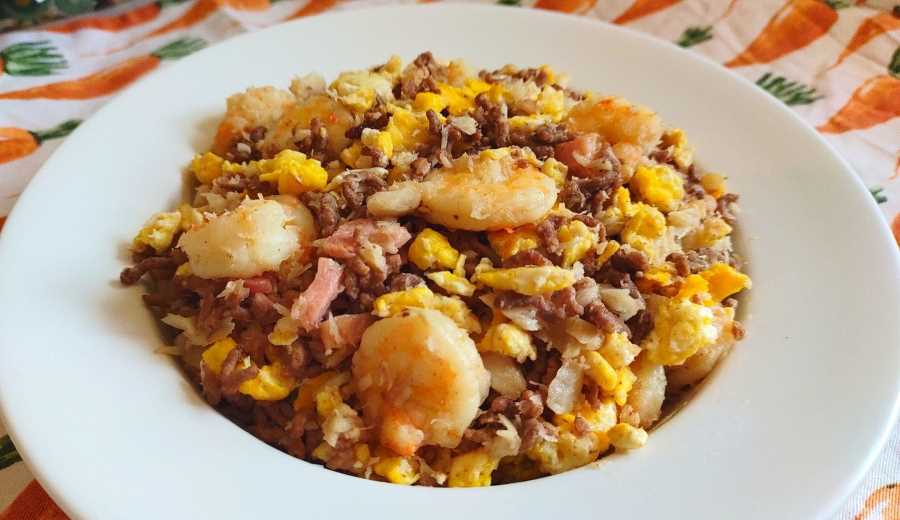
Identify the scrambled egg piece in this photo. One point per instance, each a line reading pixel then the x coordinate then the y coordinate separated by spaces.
pixel 619 211
pixel 601 371
pixel 457 100
pixel 529 122
pixel 528 280
pixel 552 102
pixel 398 470
pixel 269 384
pixel 624 436
pixel 576 239
pixel 407 129
pixel 659 276
pixel 311 387
pixel 362 453
pixel 184 270
pixel 393 303
pixel 431 249
pixel 452 283
pixel 158 232
pixel 510 340
pixel 351 155
pixel 626 383
pixel 608 250
pixel 693 285
pixel 681 328
pixel 714 184
pixel 285 331
pixel 328 399
pixel 681 150
pixel 190 217
pixel 724 281
pixel 426 101
pixel 645 226
pixel 659 185
pixel 207 167
pixel 619 350
pixel 357 90
pixel 293 172
pixel 472 469
pixel 508 243
pixel 569 452
pixel 380 141
pixel 215 354
pixel 323 451
pixel 599 419
pixel 711 231
pixel 556 170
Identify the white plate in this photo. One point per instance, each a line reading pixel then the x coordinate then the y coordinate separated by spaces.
pixel 783 430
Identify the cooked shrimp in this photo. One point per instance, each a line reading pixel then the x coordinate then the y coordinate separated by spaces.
pixel 496 193
pixel 255 107
pixel 253 238
pixel 420 380
pixel 297 121
pixel 299 216
pixel 632 130
pixel 649 391
pixel 618 121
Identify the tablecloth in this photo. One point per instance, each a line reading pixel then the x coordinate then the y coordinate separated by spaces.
pixel 836 63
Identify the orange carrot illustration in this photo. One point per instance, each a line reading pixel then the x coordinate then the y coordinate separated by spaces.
pixel 33 502
pixel 2 221
pixel 895 228
pixel 247 5
pixel 196 14
pixel 108 80
pixel 312 7
pixel 886 498
pixel 797 24
pixel 114 23
pixel 642 8
pixel 16 143
pixel 872 103
pixel 566 6
pixel 31 59
pixel 871 28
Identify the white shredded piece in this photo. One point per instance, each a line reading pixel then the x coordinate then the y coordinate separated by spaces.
pixel 465 124
pixel 565 387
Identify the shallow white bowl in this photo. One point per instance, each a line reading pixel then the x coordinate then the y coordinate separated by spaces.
pixel 784 429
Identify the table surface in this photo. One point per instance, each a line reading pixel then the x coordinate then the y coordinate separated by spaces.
pixel 836 63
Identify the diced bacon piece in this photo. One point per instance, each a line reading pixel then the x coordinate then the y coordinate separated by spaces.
pixel 311 306
pixel 341 336
pixel 346 240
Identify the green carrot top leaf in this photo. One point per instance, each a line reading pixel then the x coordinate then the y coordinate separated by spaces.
pixel 878 194
pixel 894 64
pixel 61 130
pixel 790 92
pixel 837 4
pixel 179 48
pixel 8 453
pixel 509 2
pixel 694 35
pixel 39 58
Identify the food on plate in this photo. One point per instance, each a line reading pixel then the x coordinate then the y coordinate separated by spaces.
pixel 427 275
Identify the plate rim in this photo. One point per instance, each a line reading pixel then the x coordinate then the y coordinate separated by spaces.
pixel 829 507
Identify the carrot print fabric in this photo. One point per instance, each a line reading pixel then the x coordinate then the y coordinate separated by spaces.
pixel 836 63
